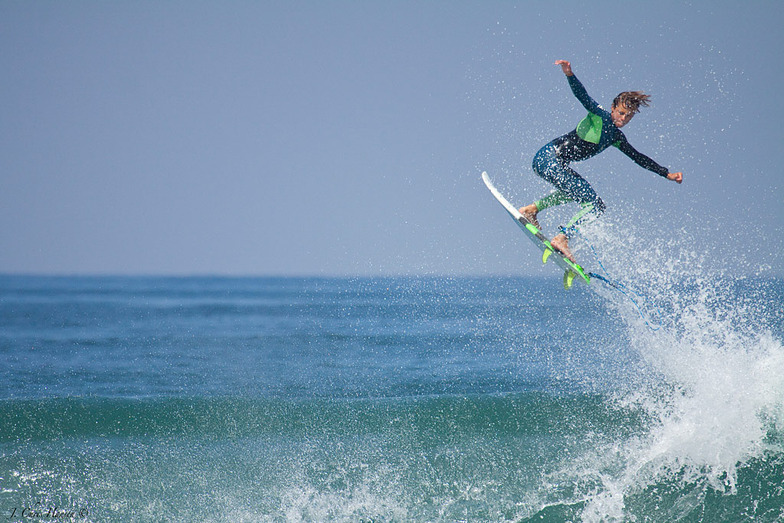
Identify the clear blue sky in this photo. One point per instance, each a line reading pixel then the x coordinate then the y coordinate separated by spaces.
pixel 347 137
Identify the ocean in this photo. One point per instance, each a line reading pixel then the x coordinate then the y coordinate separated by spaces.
pixel 391 399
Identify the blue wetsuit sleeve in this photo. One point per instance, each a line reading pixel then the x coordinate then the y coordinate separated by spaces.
pixel 639 158
pixel 581 94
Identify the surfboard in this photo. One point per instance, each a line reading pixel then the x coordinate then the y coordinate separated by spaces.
pixel 571 269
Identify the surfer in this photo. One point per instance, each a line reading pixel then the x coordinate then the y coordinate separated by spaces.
pixel 595 133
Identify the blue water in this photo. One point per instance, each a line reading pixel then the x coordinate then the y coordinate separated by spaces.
pixel 390 399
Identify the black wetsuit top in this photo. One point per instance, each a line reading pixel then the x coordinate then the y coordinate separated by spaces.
pixel 595 133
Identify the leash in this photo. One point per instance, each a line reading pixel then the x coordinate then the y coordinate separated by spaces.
pixel 623 289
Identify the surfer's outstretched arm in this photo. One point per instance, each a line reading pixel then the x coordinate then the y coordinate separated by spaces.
pixel 578 89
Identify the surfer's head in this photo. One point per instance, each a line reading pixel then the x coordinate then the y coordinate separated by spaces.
pixel 626 105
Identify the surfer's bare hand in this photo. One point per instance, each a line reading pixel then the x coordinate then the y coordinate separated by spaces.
pixel 566 67
pixel 675 177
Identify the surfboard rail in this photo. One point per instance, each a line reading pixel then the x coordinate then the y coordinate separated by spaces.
pixel 571 269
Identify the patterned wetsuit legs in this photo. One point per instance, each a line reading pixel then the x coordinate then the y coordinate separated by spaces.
pixel 549 165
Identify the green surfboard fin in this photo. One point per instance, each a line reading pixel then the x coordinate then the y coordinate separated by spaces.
pixel 568 279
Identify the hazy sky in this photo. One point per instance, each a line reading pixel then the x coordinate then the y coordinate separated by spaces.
pixel 348 137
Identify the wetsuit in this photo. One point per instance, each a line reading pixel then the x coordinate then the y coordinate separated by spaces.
pixel 595 133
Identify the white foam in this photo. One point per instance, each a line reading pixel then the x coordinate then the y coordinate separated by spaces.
pixel 715 387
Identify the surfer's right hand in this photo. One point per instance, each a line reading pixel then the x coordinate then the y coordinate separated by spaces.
pixel 566 67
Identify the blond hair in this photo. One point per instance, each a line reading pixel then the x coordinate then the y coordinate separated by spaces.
pixel 632 100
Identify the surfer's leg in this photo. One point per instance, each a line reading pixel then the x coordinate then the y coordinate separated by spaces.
pixel 547 165
pixel 588 212
pixel 529 212
pixel 573 187
pixel 551 200
pixel 561 244
pixel 570 187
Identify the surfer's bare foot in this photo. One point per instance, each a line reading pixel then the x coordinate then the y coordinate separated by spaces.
pixel 529 213
pixel 561 244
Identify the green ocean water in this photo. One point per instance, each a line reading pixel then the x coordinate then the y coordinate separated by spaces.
pixel 388 399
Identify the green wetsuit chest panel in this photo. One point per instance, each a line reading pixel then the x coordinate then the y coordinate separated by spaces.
pixel 590 128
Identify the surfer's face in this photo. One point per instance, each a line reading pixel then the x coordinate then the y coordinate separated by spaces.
pixel 621 115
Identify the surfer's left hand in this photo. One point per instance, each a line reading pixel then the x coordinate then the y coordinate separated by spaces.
pixel 675 177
